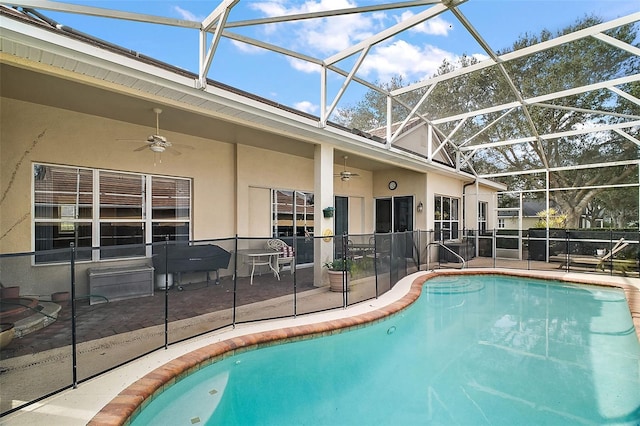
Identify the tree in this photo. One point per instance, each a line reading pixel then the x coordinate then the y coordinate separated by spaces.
pixel 371 112
pixel 578 63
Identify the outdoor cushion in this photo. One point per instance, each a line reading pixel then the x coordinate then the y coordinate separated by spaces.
pixel 287 251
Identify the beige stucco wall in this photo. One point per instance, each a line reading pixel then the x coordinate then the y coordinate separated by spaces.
pixel 474 195
pixel 231 182
pixel 441 185
pixel 410 184
pixel 222 178
pixel 416 140
pixel 359 191
pixel 70 138
pixel 260 168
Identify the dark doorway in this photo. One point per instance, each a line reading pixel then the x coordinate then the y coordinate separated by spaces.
pixel 383 215
pixel 397 211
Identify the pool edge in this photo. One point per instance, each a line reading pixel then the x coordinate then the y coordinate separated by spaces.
pixel 123 408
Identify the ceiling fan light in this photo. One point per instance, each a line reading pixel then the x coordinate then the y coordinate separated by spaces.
pixel 344 178
pixel 156 148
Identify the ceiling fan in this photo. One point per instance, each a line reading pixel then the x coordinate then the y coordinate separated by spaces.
pixel 158 143
pixel 345 175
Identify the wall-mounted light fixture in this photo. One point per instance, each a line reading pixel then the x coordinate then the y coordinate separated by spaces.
pixel 420 207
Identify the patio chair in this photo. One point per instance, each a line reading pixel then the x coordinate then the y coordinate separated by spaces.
pixel 287 254
pixel 620 245
pixel 597 261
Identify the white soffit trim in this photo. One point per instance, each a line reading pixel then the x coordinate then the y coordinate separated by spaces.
pixel 60 51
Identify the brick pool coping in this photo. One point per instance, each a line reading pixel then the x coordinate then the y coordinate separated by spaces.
pixel 128 403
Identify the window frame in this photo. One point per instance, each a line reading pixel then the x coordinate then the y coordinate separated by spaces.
pixel 483 212
pixel 98 220
pixel 440 218
pixel 300 215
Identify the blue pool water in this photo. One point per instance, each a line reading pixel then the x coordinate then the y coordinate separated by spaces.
pixel 473 350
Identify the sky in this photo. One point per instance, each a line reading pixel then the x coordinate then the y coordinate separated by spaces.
pixel 415 54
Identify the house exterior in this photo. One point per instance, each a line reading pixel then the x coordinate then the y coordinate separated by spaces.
pixel 510 218
pixel 77 165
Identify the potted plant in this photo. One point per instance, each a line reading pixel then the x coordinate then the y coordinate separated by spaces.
pixel 338 270
pixel 328 212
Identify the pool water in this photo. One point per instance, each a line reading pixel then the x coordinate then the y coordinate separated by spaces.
pixel 473 350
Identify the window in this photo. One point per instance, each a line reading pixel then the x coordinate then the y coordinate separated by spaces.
pixel 170 208
pixel 115 211
pixel 292 216
pixel 482 217
pixel 292 213
pixel 63 211
pixel 501 223
pixel 446 217
pixel 121 214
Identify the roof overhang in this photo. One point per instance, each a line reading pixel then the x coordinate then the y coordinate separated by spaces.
pixel 144 83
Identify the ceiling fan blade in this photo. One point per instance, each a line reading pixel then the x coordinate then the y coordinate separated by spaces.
pixel 143 147
pixel 173 151
pixel 130 140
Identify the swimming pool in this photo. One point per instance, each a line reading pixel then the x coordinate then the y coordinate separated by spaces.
pixel 479 349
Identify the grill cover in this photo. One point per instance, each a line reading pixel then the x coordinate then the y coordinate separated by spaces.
pixel 200 258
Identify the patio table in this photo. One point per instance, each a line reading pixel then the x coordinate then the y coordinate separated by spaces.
pixel 261 257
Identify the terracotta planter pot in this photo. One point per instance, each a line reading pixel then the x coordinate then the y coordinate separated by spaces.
pixel 335 280
pixel 10 292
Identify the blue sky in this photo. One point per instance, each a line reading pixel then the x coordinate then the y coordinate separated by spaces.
pixel 414 54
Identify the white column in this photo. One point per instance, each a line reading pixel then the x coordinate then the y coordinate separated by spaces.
pixel 323 198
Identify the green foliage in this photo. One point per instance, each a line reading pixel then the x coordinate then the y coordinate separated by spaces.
pixel 581 62
pixel 339 264
pixel 556 219
pixel 371 112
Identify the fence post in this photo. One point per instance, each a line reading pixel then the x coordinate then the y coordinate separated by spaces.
pixel 375 263
pixel 74 341
pixel 345 278
pixel 294 242
pixel 494 243
pixel 528 250
pixel 235 282
pixel 166 291
pixel 610 249
pixel 566 231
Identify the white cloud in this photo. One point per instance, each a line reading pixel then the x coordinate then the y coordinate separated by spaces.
pixel 304 66
pixel 480 56
pixel 269 8
pixel 306 106
pixel 433 26
pixel 402 58
pixel 185 14
pixel 319 36
pixel 247 48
